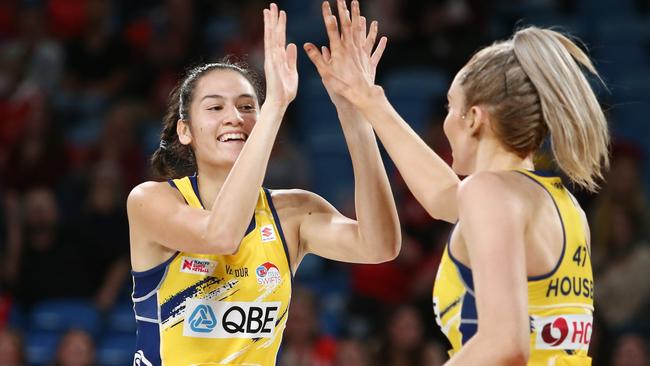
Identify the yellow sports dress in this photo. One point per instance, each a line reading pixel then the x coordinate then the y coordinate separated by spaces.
pixel 199 309
pixel 560 303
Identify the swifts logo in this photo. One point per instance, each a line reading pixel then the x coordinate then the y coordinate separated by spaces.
pixel 268 274
pixel 197 266
pixel 568 332
pixel 268 233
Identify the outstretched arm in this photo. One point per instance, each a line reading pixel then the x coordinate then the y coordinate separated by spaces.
pixel 430 179
pixel 375 235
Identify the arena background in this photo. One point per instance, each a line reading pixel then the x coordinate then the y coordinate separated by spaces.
pixel 83 88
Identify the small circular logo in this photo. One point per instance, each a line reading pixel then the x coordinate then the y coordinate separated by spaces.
pixel 550 332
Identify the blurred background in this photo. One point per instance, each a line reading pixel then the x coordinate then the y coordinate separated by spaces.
pixel 83 88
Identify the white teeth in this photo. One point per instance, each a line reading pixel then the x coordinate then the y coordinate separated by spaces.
pixel 232 136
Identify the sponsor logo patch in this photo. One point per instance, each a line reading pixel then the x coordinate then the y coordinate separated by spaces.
pixel 223 319
pixel 268 233
pixel 198 266
pixel 570 332
pixel 268 274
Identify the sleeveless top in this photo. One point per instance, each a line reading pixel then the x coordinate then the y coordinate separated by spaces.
pixel 209 309
pixel 560 303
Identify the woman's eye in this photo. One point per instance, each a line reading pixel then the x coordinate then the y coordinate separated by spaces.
pixel 216 108
pixel 247 108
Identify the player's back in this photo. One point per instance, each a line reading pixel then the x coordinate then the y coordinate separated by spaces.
pixel 560 300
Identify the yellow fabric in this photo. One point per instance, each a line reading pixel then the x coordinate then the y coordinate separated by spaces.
pixel 560 305
pixel 234 279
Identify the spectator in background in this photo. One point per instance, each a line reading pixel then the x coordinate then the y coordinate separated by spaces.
pixel 624 188
pixel 378 288
pixel 625 274
pixel 76 348
pixel 38 156
pixel 303 345
pixel 351 352
pixel 102 233
pixel 12 349
pixel 118 145
pixel 631 350
pixel 34 60
pixel 403 343
pixel 95 62
pixel 95 71
pixel 39 262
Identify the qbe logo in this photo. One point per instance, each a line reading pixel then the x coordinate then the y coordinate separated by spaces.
pixel 198 266
pixel 223 319
pixel 570 332
pixel 202 319
pixel 268 233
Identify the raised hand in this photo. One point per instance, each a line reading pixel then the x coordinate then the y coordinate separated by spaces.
pixel 279 58
pixel 348 66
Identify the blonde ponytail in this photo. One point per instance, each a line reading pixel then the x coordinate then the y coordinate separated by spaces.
pixel 577 125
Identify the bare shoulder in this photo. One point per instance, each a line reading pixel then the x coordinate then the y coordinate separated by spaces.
pixel 149 189
pixel 151 192
pixel 501 184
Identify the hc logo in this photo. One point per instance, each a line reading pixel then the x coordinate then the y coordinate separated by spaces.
pixel 561 329
pixel 202 319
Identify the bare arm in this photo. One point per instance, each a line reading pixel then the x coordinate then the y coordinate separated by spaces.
pixel 161 216
pixel 375 235
pixel 492 224
pixel 322 230
pixel 429 178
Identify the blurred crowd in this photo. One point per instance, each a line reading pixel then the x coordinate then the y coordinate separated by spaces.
pixel 83 88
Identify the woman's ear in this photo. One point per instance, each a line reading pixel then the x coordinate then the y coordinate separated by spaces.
pixel 184 132
pixel 476 117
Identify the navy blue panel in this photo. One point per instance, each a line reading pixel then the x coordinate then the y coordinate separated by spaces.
pixel 147 308
pixel 148 341
pixel 195 187
pixel 146 281
pixel 279 225
pixel 465 272
pixel 544 173
pixel 468 312
pixel 251 225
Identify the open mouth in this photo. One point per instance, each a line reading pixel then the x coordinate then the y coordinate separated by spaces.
pixel 233 137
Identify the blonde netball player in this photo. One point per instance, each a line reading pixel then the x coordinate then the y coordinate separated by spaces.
pixel 515 283
pixel 213 254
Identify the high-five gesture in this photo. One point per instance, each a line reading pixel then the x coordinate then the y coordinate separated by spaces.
pixel 349 65
pixel 279 58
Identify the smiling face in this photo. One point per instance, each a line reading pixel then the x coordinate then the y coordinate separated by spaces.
pixel 222 113
pixel 458 130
